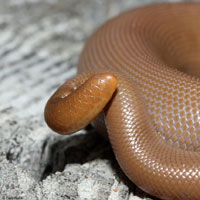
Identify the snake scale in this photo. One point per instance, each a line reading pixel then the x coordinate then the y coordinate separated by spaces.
pixel 139 72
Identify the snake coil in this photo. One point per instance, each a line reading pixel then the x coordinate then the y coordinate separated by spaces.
pixel 146 64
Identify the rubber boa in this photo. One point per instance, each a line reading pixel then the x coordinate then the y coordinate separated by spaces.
pixel 140 71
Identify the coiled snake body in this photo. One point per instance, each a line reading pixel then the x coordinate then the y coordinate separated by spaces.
pixel 142 69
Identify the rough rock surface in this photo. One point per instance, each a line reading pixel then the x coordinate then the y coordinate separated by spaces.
pixel 40 41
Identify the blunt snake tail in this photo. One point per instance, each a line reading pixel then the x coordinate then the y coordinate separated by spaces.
pixel 141 70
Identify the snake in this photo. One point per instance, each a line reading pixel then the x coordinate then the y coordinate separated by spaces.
pixel 138 80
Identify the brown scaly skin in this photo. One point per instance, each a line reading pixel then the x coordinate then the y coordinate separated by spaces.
pixel 151 55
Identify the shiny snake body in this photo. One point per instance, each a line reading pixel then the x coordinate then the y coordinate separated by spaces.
pixel 142 69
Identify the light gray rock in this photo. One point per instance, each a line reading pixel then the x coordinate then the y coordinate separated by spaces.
pixel 40 42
